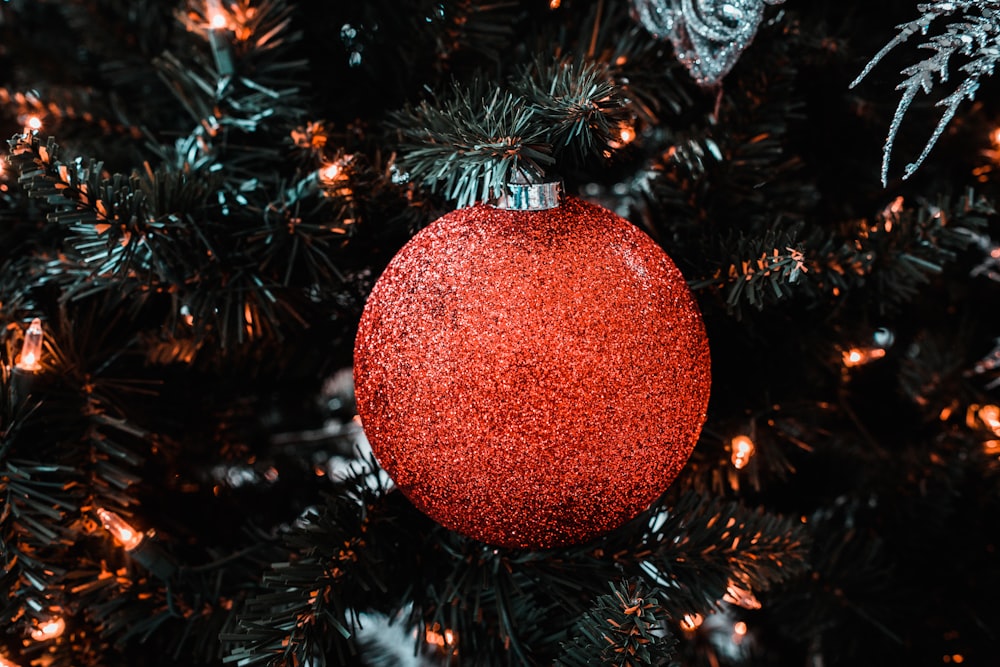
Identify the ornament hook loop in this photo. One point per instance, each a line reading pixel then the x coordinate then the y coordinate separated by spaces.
pixel 529 196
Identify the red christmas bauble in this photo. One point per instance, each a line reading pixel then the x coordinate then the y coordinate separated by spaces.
pixel 532 378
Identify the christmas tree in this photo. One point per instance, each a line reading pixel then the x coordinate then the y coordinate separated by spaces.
pixel 199 197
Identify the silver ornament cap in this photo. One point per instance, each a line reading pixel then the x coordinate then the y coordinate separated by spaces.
pixel 530 196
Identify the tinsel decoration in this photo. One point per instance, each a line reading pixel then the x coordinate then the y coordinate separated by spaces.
pixel 708 35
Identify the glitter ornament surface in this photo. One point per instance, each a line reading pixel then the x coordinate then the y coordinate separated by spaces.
pixel 532 378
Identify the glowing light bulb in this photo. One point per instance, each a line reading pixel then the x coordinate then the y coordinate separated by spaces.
pixel 554 4
pixel 31 349
pixel 857 357
pixel 4 662
pixel 330 172
pixel 740 628
pixel 743 450
pixel 124 534
pixel 217 20
pixel 627 135
pixel 691 622
pixel 34 123
pixel 990 414
pixel 440 639
pixel 50 629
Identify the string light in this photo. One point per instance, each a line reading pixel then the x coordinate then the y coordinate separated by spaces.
pixel 330 173
pixel 33 125
pixel 127 536
pixel 442 640
pixel 990 415
pixel 743 450
pixel 143 551
pixel 739 632
pixel 31 349
pixel 857 356
pixel 50 629
pixel 691 622
pixel 626 135
pixel 219 39
pixel 554 4
pixel 334 176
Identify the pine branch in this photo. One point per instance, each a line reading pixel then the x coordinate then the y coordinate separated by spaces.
pixel 138 235
pixel 976 36
pixel 903 249
pixel 581 104
pixel 66 450
pixel 263 90
pixel 304 608
pixel 624 628
pixel 493 600
pixel 775 269
pixel 702 546
pixel 906 246
pixel 851 581
pixel 471 143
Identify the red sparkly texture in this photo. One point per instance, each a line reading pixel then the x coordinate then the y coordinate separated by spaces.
pixel 532 378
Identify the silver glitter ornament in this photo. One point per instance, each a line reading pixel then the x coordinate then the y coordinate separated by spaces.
pixel 708 35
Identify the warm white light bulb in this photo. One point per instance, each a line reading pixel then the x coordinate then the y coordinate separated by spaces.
pixel 124 534
pixel 857 356
pixel 330 172
pixel 31 350
pixel 691 622
pixel 50 629
pixel 217 21
pixel 743 450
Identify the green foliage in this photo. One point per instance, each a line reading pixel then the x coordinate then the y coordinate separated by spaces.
pixel 470 147
pixel 582 106
pixel 303 609
pixel 625 628
pixel 471 142
pixel 898 251
pixel 702 545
